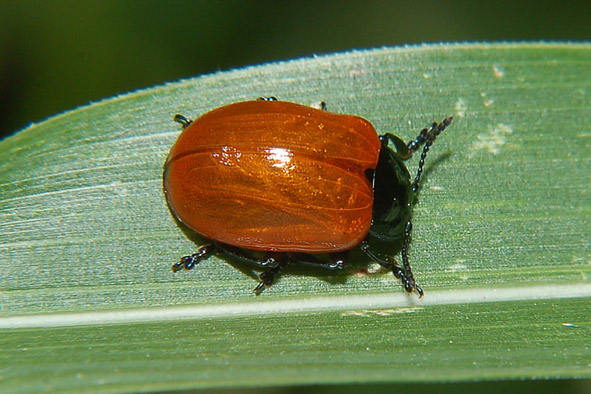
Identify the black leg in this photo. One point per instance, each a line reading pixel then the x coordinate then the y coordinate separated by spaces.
pixel 404 274
pixel 384 261
pixel 182 120
pixel 268 277
pixel 336 261
pixel 270 98
pixel 399 273
pixel 270 260
pixel 189 262
pixel 401 147
pixel 275 262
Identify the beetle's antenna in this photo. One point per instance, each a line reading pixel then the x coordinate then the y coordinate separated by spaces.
pixel 427 136
pixel 421 138
pixel 406 276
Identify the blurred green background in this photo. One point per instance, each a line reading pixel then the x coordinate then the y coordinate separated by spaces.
pixel 60 54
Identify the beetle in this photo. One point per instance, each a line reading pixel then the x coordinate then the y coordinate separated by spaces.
pixel 273 183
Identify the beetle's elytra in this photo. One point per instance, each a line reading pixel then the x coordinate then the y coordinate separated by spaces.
pixel 301 184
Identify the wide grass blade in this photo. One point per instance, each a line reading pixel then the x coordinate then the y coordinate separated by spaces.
pixel 501 242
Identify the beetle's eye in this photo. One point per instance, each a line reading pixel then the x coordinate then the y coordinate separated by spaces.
pixel 369 174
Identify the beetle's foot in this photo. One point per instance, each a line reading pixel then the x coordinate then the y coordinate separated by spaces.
pixel 419 291
pixel 189 262
pixel 338 260
pixel 270 262
pixel 336 265
pixel 408 282
pixel 267 278
pixel 182 120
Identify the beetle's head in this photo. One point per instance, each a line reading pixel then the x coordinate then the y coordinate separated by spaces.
pixel 392 193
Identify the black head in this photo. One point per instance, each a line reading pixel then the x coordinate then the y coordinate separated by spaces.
pixel 393 195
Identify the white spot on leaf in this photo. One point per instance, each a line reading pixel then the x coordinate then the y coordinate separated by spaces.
pixel 487 101
pixel 498 71
pixel 493 140
pixel 461 107
pixel 460 269
pixel 380 312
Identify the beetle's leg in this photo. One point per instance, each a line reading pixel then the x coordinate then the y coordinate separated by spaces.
pixel 337 260
pixel 399 274
pixel 182 120
pixel 189 262
pixel 384 261
pixel 404 274
pixel 274 261
pixel 268 277
pixel 428 137
pixel 270 260
pixel 401 147
pixel 269 98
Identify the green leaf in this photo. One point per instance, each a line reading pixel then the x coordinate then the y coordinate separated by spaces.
pixel 501 237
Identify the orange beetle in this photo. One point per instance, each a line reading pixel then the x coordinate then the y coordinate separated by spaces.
pixel 295 182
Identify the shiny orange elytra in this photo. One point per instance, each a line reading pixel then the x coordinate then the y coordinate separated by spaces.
pixel 274 176
pixel 295 182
